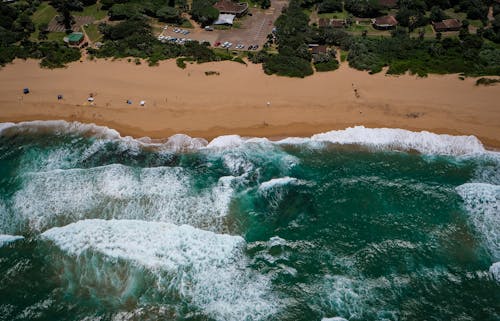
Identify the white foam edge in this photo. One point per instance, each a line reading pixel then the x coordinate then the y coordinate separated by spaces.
pixel 387 138
pixel 278 182
pixel 214 265
pixel 6 239
pixel 495 271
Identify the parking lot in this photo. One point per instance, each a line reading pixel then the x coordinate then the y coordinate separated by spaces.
pixel 253 30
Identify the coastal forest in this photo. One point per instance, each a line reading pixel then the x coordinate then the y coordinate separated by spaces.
pixel 126 29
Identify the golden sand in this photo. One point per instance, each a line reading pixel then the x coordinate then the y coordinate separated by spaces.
pixel 236 101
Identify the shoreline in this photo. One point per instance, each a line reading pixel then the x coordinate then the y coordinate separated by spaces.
pixel 186 101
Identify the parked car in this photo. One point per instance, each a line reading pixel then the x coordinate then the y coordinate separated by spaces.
pixel 217 44
pixel 208 28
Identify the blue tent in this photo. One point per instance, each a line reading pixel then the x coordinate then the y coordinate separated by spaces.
pixel 26 90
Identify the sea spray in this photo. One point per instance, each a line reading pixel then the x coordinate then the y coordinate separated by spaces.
pixel 344 224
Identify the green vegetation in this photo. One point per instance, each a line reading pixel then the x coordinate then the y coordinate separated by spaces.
pixel 43 14
pixel 487 81
pixel 402 53
pixel 204 12
pixel 16 40
pixel 94 10
pixel 326 66
pixel 293 58
pixel 93 33
pixel 133 38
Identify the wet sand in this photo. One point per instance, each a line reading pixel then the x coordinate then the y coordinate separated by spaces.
pixel 236 101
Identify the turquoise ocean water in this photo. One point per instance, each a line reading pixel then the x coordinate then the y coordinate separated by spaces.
pixel 359 224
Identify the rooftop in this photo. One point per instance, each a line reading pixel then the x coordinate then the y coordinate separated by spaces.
pixel 228 6
pixel 385 21
pixel 448 24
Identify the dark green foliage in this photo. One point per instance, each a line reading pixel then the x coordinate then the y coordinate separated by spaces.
pixel 168 14
pixel 402 53
pixel 487 81
pixel 330 6
pixel 293 59
pixel 288 66
pixel 475 9
pixel 122 11
pixel 363 8
pixel 56 55
pixel 327 66
pixel 204 12
pixel 15 29
pixel 437 14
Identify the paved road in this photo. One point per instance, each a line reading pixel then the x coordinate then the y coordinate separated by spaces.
pixel 253 30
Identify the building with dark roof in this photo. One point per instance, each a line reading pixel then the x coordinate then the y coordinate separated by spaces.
pixel 447 25
pixel 385 22
pixel 230 7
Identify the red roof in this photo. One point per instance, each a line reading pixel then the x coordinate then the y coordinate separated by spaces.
pixel 385 21
pixel 448 24
pixel 319 49
pixel 228 6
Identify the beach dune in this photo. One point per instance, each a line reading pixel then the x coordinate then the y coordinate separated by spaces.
pixel 243 100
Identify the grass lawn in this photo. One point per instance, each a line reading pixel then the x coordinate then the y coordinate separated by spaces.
pixel 462 16
pixel 93 11
pixel 93 33
pixel 56 36
pixel 334 15
pixel 43 14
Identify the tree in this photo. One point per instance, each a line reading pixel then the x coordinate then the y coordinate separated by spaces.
pixel 363 8
pixel 168 14
pixel 330 6
pixel 204 12
pixel 437 14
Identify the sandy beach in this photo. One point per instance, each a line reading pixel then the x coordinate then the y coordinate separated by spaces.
pixel 243 100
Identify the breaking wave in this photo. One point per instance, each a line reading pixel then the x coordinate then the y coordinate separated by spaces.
pixel 165 194
pixel 6 239
pixel 206 269
pixel 384 138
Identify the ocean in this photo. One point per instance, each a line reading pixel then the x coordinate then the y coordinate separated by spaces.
pixel 357 224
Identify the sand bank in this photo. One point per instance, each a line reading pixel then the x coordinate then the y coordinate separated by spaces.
pixel 236 101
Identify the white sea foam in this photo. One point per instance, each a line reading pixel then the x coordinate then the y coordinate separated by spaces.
pixel 482 202
pixel 334 319
pixel 166 194
pixel 278 182
pixel 6 239
pixel 59 127
pixel 495 271
pixel 207 269
pixel 423 142
pixel 385 138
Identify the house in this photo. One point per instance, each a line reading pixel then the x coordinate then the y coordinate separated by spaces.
pixel 74 39
pixel 230 7
pixel 447 25
pixel 334 23
pixel 385 23
pixel 319 49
